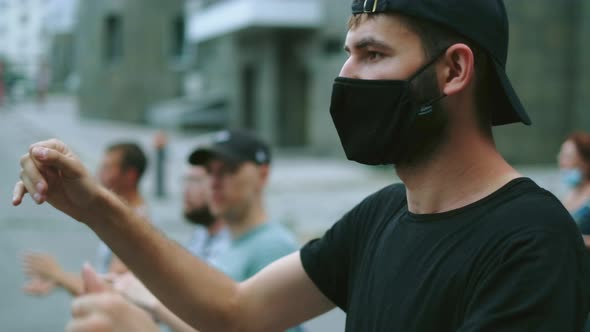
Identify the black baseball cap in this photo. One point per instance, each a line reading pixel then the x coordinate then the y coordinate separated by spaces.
pixel 235 146
pixel 484 22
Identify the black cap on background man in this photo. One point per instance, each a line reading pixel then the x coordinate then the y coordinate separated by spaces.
pixel 235 146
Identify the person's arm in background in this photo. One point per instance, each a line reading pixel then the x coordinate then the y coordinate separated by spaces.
pixel 167 317
pixel 38 286
pixel 117 314
pixel 200 295
pixel 100 309
pixel 45 266
pixel 117 266
pixel 130 287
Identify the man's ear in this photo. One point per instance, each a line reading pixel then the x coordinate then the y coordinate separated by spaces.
pixel 264 171
pixel 459 69
pixel 132 175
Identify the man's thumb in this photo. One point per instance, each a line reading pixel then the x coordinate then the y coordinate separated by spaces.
pixel 92 282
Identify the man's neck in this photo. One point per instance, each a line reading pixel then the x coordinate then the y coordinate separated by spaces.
pixel 132 197
pixel 464 170
pixel 215 227
pixel 253 217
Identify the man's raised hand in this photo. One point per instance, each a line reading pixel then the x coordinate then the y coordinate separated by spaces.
pixel 51 173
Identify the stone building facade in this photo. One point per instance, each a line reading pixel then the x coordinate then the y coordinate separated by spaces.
pixel 129 55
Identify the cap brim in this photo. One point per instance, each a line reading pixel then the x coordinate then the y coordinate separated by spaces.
pixel 202 156
pixel 510 109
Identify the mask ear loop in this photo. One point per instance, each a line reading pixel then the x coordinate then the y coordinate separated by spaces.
pixel 428 64
pixel 426 108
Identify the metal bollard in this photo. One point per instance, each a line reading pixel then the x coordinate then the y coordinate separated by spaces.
pixel 160 143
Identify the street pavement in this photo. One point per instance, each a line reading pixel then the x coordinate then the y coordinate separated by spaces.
pixel 306 193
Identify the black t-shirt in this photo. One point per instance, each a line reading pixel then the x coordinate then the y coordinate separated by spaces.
pixel 513 261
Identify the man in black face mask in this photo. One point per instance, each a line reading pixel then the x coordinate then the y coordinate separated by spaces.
pixel 465 244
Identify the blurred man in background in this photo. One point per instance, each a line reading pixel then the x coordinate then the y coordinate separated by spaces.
pixel 234 171
pixel 211 236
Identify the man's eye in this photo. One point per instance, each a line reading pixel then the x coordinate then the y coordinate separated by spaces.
pixel 374 55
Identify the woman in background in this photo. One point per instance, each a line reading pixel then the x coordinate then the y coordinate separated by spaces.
pixel 574 165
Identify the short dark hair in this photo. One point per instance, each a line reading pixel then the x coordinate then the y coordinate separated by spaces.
pixel 581 141
pixel 435 38
pixel 132 157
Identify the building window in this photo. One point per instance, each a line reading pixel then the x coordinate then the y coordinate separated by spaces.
pixel 207 3
pixel 178 34
pixel 333 46
pixel 113 38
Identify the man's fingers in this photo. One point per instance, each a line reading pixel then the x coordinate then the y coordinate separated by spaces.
pixel 87 304
pixel 84 305
pixel 38 287
pixel 27 266
pixel 41 161
pixel 28 183
pixel 53 144
pixel 91 323
pixel 18 193
pixel 34 289
pixel 48 156
pixel 32 179
pixel 30 261
pixel 92 282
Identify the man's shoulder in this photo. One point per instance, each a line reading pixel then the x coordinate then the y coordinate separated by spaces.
pixel 531 211
pixel 271 236
pixel 395 191
pixel 529 203
pixel 391 194
pixel 268 243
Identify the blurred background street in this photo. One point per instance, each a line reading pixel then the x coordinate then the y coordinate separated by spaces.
pixel 93 72
pixel 306 193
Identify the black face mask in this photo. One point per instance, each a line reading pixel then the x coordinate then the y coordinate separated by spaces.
pixel 374 118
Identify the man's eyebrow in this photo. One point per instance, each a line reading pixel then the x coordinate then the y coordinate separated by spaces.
pixel 368 42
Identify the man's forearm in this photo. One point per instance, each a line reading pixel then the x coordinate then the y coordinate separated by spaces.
pixel 200 295
pixel 174 322
pixel 70 282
